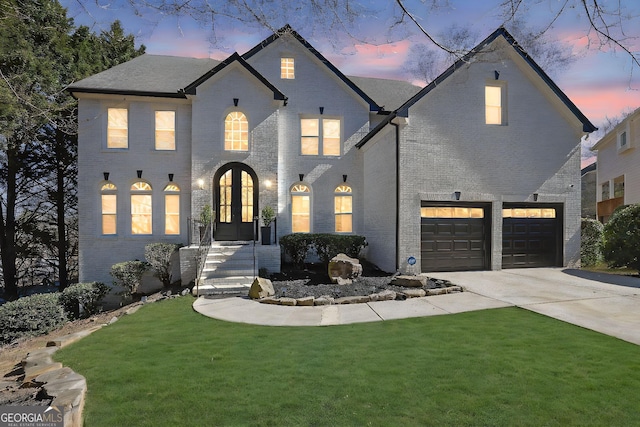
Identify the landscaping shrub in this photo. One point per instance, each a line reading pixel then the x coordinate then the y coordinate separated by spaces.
pixel 621 238
pixel 158 255
pixel 128 274
pixel 326 245
pixel 87 295
pixel 30 316
pixel 591 242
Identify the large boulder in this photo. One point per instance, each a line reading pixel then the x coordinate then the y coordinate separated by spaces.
pixel 343 269
pixel 410 281
pixel 261 288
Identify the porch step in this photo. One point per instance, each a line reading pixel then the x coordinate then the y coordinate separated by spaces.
pixel 238 285
pixel 228 269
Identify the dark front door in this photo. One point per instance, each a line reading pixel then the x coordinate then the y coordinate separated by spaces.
pixel 236 198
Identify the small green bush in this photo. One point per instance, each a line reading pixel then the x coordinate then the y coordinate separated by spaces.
pixel 621 235
pixel 158 255
pixel 31 316
pixel 326 245
pixel 128 274
pixel 591 242
pixel 87 295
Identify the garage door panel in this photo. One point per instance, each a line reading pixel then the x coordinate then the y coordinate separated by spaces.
pixel 530 242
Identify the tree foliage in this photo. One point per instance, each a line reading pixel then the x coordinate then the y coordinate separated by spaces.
pixel 621 247
pixel 158 255
pixel 128 274
pixel 591 242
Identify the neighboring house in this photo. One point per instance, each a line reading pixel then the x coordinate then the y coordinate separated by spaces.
pixel 478 170
pixel 588 181
pixel 618 171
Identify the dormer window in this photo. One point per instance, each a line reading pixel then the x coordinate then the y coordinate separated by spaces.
pixel 287 68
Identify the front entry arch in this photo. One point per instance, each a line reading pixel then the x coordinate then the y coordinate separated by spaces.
pixel 236 200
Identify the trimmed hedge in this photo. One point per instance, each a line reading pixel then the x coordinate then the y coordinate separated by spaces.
pixel 158 255
pixel 326 246
pixel 128 274
pixel 31 316
pixel 621 246
pixel 87 295
pixel 591 242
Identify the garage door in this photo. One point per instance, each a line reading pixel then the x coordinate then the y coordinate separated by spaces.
pixel 454 238
pixel 531 237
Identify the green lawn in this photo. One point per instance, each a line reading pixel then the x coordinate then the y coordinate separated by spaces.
pixel 169 366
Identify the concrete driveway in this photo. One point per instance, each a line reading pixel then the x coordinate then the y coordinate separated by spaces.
pixel 604 303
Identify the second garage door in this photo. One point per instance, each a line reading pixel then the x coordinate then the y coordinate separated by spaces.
pixel 454 238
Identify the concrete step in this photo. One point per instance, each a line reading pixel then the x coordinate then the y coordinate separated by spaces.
pixel 232 285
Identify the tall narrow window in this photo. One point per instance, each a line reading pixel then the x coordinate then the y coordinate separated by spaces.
pixel 493 105
pixel 165 130
pixel 226 186
pixel 343 209
pixel 236 132
pixel 300 209
pixel 618 186
pixel 117 128
pixel 141 210
pixel 320 136
pixel 109 201
pixel 606 194
pixel 247 196
pixel 287 68
pixel 171 209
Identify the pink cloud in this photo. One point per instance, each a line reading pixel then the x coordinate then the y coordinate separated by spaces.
pixel 600 102
pixel 383 61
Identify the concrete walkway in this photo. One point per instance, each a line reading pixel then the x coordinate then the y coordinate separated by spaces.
pixel 603 303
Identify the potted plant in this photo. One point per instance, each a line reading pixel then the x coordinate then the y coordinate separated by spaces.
pixel 206 216
pixel 268 216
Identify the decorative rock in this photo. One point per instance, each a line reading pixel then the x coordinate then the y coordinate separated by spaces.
pixel 261 288
pixel 344 267
pixel 414 293
pixel 113 320
pixel 269 300
pixel 323 300
pixel 410 281
pixel 184 292
pixel 443 291
pixel 306 301
pixel 353 300
pixel 386 295
pixel 288 301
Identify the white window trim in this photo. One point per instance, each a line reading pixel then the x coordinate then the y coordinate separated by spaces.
pixel 626 131
pixel 155 130
pixel 105 128
pixel 502 84
pixel 224 128
pixel 336 215
pixel 320 118
pixel 310 193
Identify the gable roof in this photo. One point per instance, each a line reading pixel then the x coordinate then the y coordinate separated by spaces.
pixel 388 94
pixel 147 75
pixel 403 110
pixel 373 106
pixel 191 88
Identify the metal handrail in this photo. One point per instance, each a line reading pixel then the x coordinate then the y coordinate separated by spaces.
pixel 203 251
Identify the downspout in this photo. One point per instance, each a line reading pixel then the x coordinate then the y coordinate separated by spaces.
pixel 397 194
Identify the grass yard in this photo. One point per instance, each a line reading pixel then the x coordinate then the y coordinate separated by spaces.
pixel 169 366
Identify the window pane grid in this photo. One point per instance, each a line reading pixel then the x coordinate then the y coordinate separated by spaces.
pixel 117 128
pixel 493 105
pixel 172 213
pixel 165 130
pixel 247 197
pixel 287 68
pixel 109 213
pixel 236 132
pixel 225 197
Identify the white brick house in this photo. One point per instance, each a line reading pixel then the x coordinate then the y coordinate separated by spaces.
pixel 478 170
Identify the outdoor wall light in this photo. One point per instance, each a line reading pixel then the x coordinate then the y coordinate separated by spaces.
pixel 170 177
pixel 139 172
pixel 535 197
pixel 344 178
pixel 301 176
pixel 235 102
pixel 201 183
pixel 267 183
pixel 496 73
pixel 106 176
pixel 457 194
pixel 321 110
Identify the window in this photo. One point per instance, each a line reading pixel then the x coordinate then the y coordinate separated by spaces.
pixel 165 130
pixel 287 68
pixel 494 97
pixel 606 194
pixel 117 128
pixel 141 208
pixel 171 209
pixel 246 196
pixel 618 186
pixel 109 201
pixel 343 209
pixel 623 139
pixel 451 212
pixel 529 213
pixel 300 209
pixel 236 132
pixel 316 139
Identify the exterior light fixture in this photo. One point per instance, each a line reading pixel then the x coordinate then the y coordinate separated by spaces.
pixel 106 176
pixel 344 178
pixel 139 172
pixel 496 74
pixel 457 194
pixel 535 197
pixel 235 102
pixel 170 177
pixel 201 183
pixel 321 110
pixel 267 183
pixel 301 176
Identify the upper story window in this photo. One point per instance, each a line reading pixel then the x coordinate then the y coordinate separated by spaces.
pixel 606 194
pixel 495 102
pixel 320 136
pixel 287 68
pixel 171 209
pixel 236 132
pixel 343 209
pixel 618 186
pixel 165 130
pixel 109 204
pixel 141 208
pixel 300 209
pixel 117 128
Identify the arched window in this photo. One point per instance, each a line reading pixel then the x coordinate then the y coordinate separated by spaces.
pixel 300 209
pixel 236 132
pixel 109 202
pixel 171 209
pixel 343 209
pixel 141 211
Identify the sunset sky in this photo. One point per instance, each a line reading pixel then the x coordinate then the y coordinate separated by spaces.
pixel 601 82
